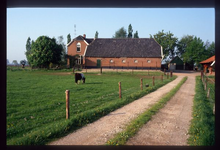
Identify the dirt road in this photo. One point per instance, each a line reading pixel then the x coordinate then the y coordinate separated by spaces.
pixel 102 130
pixel 170 125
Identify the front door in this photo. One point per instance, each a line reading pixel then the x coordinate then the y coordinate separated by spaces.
pixel 98 63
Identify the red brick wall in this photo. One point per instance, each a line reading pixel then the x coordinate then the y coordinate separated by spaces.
pixel 72 49
pixel 129 62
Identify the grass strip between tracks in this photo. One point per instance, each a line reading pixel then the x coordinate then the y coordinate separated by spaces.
pixel 122 137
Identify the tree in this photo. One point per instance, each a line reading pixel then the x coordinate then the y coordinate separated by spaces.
pixel 136 34
pixel 23 62
pixel 61 42
pixel 130 30
pixel 45 51
pixel 15 62
pixel 210 48
pixel 68 38
pixel 195 52
pixel 121 33
pixel 28 48
pixel 96 34
pixel 183 43
pixel 168 42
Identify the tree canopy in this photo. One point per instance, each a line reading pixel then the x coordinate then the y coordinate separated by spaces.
pixel 168 41
pixel 121 33
pixel 68 38
pixel 45 51
pixel 130 30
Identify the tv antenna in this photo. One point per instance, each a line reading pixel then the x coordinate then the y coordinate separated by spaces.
pixel 74 30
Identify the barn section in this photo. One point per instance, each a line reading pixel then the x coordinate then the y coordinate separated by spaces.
pixel 135 53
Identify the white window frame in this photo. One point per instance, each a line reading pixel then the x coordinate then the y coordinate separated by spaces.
pixel 78 45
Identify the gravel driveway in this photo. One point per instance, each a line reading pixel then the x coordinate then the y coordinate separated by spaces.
pixel 102 130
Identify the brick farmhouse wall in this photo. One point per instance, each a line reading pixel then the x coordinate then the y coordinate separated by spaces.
pixel 91 62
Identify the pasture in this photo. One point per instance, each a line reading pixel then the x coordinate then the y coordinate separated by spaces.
pixel 36 101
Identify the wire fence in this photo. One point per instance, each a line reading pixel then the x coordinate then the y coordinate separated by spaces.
pixel 209 87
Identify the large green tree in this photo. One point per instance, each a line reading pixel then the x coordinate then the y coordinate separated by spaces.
pixel 130 30
pixel 183 43
pixel 121 33
pixel 195 52
pixel 168 41
pixel 45 51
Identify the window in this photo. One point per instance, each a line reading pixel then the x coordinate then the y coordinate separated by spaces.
pixel 111 61
pixel 124 61
pixel 148 61
pixel 135 61
pixel 78 47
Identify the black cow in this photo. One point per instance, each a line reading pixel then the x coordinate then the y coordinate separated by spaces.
pixel 79 76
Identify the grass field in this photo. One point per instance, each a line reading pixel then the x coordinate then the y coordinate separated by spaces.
pixel 36 101
pixel 202 128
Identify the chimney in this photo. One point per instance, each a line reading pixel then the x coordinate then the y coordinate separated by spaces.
pixel 84 35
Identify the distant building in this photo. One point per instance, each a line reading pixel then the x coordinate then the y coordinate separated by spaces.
pixel 137 53
pixel 177 64
pixel 208 64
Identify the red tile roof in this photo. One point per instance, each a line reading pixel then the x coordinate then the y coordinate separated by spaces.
pixel 209 60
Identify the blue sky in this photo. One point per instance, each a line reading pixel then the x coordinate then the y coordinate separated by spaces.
pixel 53 22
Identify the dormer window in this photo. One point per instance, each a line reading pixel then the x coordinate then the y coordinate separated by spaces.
pixel 78 47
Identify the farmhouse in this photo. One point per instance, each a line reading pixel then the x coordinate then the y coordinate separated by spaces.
pixel 143 53
pixel 208 64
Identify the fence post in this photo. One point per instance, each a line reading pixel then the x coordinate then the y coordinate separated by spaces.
pixel 205 85
pixel 171 74
pixel 141 84
pixel 86 69
pixel 162 78
pixel 119 83
pixel 208 92
pixel 153 81
pixel 201 74
pixel 67 104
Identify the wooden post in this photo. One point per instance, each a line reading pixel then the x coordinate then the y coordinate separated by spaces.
pixel 162 78
pixel 171 74
pixel 141 84
pixel 205 86
pixel 86 69
pixel 67 104
pixel 208 92
pixel 119 83
pixel 201 74
pixel 73 69
pixel 153 81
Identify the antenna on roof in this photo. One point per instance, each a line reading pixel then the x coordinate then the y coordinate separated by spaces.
pixel 74 30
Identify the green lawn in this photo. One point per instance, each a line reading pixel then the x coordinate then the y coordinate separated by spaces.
pixel 36 101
